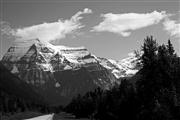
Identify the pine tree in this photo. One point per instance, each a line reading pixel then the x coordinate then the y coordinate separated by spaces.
pixel 170 48
pixel 149 52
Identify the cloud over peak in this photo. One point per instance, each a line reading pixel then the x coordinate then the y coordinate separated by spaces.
pixel 48 31
pixel 124 23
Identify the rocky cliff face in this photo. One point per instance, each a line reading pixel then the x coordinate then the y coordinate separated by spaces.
pixel 58 72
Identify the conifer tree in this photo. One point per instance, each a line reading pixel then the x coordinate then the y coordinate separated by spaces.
pixel 170 48
pixel 149 49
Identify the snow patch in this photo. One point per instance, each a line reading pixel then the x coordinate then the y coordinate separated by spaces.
pixel 57 85
pixel 14 70
pixel 131 72
pixel 67 67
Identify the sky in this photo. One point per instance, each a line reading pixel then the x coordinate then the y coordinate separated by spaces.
pixel 107 28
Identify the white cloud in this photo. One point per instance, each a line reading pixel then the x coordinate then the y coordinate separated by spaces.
pixel 49 31
pixel 172 26
pixel 123 24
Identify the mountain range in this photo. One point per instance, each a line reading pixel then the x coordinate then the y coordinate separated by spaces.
pixel 58 73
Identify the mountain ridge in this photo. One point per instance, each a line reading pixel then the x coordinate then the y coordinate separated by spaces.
pixel 62 72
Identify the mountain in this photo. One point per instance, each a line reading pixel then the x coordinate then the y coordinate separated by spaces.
pixel 13 88
pixel 123 68
pixel 58 72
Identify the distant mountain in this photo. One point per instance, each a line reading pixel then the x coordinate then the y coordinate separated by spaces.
pixel 58 72
pixel 123 68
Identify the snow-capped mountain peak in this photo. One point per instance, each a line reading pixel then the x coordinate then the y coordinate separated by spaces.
pixel 49 56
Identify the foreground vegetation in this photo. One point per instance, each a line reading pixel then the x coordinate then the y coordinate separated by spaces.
pixel 152 94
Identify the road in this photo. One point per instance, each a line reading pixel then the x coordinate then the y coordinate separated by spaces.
pixel 43 117
pixel 60 116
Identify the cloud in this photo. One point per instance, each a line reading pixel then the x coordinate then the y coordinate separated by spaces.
pixel 123 24
pixel 5 28
pixel 172 27
pixel 49 31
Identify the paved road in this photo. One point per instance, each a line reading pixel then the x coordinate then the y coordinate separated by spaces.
pixel 60 116
pixel 44 117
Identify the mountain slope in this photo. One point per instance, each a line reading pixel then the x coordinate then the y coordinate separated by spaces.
pixel 12 85
pixel 123 68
